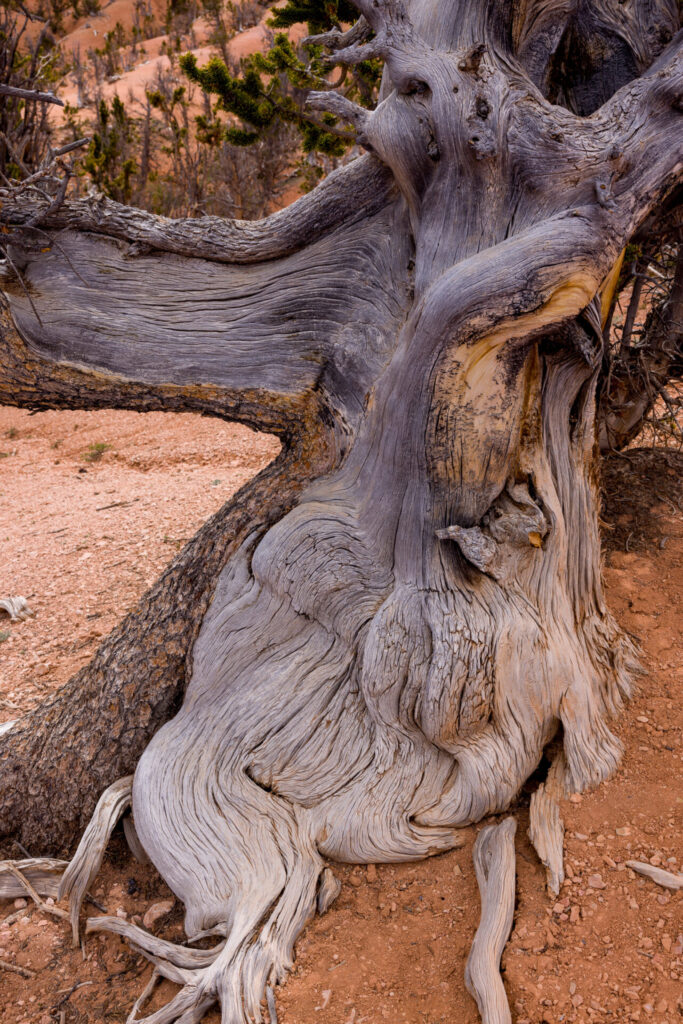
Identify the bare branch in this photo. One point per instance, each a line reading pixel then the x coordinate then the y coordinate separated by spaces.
pixel 338 40
pixel 29 94
pixel 355 191
pixel 340 106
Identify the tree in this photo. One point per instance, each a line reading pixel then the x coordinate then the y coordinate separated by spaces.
pixel 374 643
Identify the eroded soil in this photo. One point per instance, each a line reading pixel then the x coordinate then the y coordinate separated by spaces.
pixel 82 538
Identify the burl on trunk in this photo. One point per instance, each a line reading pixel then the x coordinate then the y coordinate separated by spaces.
pixel 373 644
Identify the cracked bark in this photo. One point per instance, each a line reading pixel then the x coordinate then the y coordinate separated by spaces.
pixel 372 645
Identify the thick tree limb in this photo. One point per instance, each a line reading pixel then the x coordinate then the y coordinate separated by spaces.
pixel 250 343
pixel 214 238
pixel 616 41
pixel 29 94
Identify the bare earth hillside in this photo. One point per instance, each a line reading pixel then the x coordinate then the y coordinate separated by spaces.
pixel 94 505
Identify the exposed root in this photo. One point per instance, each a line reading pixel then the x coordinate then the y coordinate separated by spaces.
pixel 30 891
pixel 143 997
pixel 242 968
pixel 494 863
pixel 87 860
pixel 181 957
pixel 546 832
pixel 664 878
pixel 270 1002
pixel 34 877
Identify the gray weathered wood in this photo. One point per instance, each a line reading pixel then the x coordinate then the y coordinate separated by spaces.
pixel 410 604
pixel 494 863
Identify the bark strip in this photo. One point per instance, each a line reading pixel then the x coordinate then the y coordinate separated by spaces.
pixel 546 832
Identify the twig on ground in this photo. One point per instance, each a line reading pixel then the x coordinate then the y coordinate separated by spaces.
pixel 15 969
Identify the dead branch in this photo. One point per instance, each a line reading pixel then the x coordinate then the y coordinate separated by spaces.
pixel 30 94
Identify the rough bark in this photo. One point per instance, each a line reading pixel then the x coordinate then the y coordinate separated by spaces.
pixel 382 653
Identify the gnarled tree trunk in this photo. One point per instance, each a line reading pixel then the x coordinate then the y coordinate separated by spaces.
pixel 375 642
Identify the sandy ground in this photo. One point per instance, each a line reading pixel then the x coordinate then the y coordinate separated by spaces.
pixel 83 539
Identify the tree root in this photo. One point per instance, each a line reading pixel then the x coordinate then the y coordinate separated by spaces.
pixel 494 863
pixel 59 879
pixel 87 860
pixel 664 878
pixel 143 997
pixel 329 888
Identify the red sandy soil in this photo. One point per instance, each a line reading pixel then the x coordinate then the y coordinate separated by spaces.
pixel 393 946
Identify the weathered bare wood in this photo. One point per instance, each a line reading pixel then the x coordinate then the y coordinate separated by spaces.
pixel 134 844
pixel 546 832
pixel 373 646
pixel 29 94
pixel 26 887
pixel 329 888
pixel 214 238
pixel 96 727
pixel 43 873
pixel 88 858
pixel 16 607
pixel 249 343
pixel 667 879
pixel 494 863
